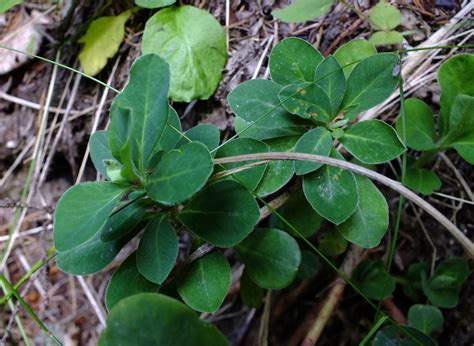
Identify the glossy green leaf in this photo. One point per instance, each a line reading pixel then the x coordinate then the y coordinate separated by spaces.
pixel 385 16
pixel 298 213
pixel 171 134
pixel 369 222
pixel 461 120
pixel 102 41
pixel 154 3
pixel 223 213
pixel 124 220
pixel 209 135
pixel 330 186
pixel 465 147
pixel 294 60
pixel 332 243
pixel 420 127
pixel 261 132
pixel 422 180
pixel 206 282
pixel 180 174
pixel 386 38
pixel 371 82
pixel 330 77
pixel 280 172
pixel 251 177
pixel 350 53
pixel 8 4
pixel 271 257
pixel 158 250
pixel 100 151
pixel 307 100
pixel 425 318
pixel 152 319
pixel 193 43
pixel 372 142
pixel 82 211
pixel 372 279
pixel 250 293
pixel 303 10
pixel 455 78
pixel 401 336
pixel 317 141
pixel 309 266
pixel 126 281
pixel 256 102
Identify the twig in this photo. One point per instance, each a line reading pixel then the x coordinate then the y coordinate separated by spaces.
pixel 394 311
pixel 342 36
pixel 265 321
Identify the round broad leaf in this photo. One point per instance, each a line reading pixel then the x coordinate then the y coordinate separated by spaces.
pixel 206 134
pixel 154 3
pixel 279 172
pixel 465 147
pixel 385 16
pixel 124 220
pixel 372 279
pixel 271 257
pixel 331 243
pixel 249 177
pixel 100 152
pixel 309 265
pixel 158 250
pixel 306 100
pixel 425 318
pixel 250 293
pixel 193 43
pixel 294 60
pixel 350 53
pixel 329 187
pixel 422 180
pixel 420 127
pixel 317 141
pixel 330 77
pixel 401 336
pixel 386 38
pixel 372 142
pixel 126 281
pixel 256 102
pixel 461 121
pixel 205 284
pixel 223 213
pixel 303 10
pixel 180 174
pixel 154 319
pixel 82 211
pixel 369 222
pixel 370 83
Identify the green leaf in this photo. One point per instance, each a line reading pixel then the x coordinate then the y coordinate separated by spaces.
pixel 465 147
pixel 372 142
pixel 294 60
pixel 124 220
pixel 100 152
pixel 223 213
pixel 331 186
pixel 250 293
pixel 413 278
pixel 455 78
pixel 385 16
pixel 82 211
pixel 372 279
pixel 253 130
pixel 370 83
pixel 158 250
pixel 140 113
pixel 330 77
pixel 209 135
pixel 420 132
pixel 280 172
pixel 154 3
pixel 5 5
pixel 394 335
pixel 180 174
pixel 317 141
pixel 126 281
pixel 368 224
pixel 151 319
pixel 309 266
pixel 461 120
pixel 425 318
pixel 251 177
pixel 386 38
pixel 307 100
pixel 102 41
pixel 331 243
pixel 446 283
pixel 422 180
pixel 171 133
pixel 206 282
pixel 298 213
pixel 352 52
pixel 303 10
pixel 256 102
pixel 193 43
pixel 271 257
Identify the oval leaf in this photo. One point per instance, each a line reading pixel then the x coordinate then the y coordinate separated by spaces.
pixel 306 100
pixel 154 3
pixel 317 141
pixel 401 336
pixel 207 134
pixel 422 180
pixel 350 53
pixel 100 152
pixel 303 10
pixel 425 318
pixel 124 220
pixel 330 77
